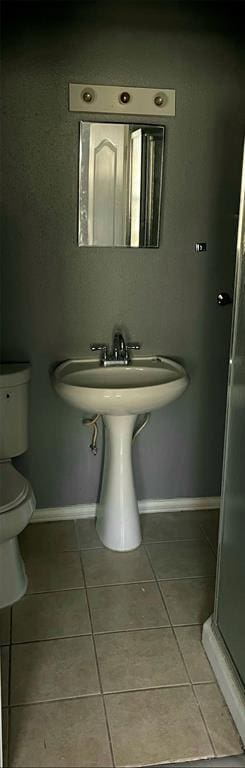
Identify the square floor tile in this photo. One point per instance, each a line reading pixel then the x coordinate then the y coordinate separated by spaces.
pixel 167 526
pixel 87 534
pixel 190 642
pixel 54 669
pixel 53 571
pixel 4 656
pixel 181 559
pixel 48 537
pixel 5 618
pixel 51 615
pixel 128 606
pixel 222 730
pixel 156 726
pixel 103 567
pixel 188 601
pixel 60 734
pixel 144 659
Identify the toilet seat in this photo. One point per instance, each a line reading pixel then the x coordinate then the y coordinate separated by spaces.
pixel 13 487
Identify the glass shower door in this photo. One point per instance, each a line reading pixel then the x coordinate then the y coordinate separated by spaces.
pixel 230 590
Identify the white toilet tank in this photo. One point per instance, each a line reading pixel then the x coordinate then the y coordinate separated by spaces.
pixel 14 380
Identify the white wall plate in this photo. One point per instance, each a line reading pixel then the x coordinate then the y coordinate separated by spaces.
pixel 121 100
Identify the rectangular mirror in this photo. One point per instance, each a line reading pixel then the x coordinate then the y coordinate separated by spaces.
pixel 120 184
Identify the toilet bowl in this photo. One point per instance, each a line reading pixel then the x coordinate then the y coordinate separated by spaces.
pixel 16 508
pixel 17 501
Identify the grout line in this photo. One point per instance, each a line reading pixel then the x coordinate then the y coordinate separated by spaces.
pixel 112 584
pixel 203 718
pixel 53 591
pixel 56 701
pixel 96 660
pixel 213 548
pixel 187 672
pixel 175 540
pixel 187 578
pixel 81 696
pixel 143 629
pixel 206 538
pixel 194 693
pixel 206 682
pixel 131 629
pixel 98 548
pixel 99 694
pixel 120 584
pixel 147 581
pixel 105 632
pixel 48 639
pixel 201 539
pixel 159 590
pixel 101 690
pixel 55 638
pixel 148 688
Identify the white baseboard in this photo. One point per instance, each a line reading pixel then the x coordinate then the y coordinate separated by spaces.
pixel 223 670
pixel 146 506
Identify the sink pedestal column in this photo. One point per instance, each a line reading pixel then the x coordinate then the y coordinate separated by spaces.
pixel 118 524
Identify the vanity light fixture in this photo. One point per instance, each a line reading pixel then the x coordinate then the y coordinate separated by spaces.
pixel 115 99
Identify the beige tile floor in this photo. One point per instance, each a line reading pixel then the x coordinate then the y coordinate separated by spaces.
pixel 102 660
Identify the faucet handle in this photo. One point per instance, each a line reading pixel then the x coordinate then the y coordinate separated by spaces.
pixel 94 347
pixel 133 345
pixel 102 347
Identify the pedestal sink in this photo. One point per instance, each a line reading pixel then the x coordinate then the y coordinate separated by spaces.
pixel 119 394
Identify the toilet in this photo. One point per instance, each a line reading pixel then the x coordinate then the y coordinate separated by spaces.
pixel 17 501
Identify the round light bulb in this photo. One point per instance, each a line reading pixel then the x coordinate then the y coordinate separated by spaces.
pixel 124 97
pixel 160 100
pixel 87 96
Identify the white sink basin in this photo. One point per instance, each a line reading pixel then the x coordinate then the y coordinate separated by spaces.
pixel 145 384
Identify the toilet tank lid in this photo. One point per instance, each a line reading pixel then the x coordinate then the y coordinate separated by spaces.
pixel 13 374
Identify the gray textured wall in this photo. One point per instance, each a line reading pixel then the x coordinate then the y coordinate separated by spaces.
pixel 57 297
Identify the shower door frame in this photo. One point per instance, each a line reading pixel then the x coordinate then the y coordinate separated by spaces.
pixel 219 656
pixel 237 294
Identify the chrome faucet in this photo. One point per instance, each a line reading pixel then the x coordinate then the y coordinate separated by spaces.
pixel 119 348
pixel 120 351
